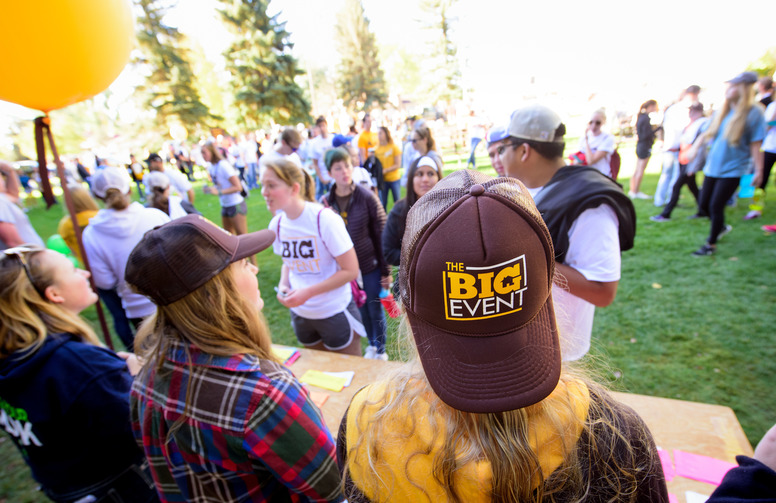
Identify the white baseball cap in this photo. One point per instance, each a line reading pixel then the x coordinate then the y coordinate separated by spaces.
pixel 110 178
pixel 534 122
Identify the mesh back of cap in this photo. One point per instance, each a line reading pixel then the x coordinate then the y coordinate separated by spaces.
pixel 442 196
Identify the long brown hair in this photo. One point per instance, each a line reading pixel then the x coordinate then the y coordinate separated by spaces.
pixel 289 173
pixel 27 318
pixel 411 196
pixel 213 318
pixel 737 124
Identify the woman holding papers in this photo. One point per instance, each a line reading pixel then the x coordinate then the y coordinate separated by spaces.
pixel 485 410
pixel 319 262
pixel 219 418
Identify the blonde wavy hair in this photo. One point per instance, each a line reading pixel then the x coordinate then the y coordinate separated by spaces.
pixel 26 317
pixel 502 439
pixel 737 124
pixel 289 173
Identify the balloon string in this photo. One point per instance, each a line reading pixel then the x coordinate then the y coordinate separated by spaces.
pixel 45 127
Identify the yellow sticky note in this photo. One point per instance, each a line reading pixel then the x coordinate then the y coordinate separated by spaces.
pixel 283 352
pixel 322 380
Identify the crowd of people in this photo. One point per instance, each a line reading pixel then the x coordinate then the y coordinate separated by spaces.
pixel 491 405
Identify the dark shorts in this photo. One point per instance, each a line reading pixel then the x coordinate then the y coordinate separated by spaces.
pixel 232 211
pixel 336 332
pixel 643 151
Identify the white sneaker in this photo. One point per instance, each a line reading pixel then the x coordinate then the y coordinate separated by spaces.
pixel 641 195
pixel 725 230
pixel 381 356
pixel 370 353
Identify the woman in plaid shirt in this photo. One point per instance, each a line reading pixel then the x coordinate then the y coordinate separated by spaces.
pixel 219 418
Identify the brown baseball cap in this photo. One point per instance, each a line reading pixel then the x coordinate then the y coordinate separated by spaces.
pixel 174 259
pixel 476 276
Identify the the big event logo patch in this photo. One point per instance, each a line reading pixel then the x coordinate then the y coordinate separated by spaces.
pixel 478 293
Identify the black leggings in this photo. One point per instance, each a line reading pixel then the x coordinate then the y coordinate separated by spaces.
pixel 769 158
pixel 714 195
pixel 684 179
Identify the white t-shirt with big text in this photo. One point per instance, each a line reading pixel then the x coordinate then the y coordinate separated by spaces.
pixel 594 251
pixel 602 142
pixel 310 255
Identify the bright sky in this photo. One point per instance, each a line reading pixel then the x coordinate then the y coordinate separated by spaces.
pixel 579 55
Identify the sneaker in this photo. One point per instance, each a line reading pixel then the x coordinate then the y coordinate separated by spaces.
pixel 659 218
pixel 381 356
pixel 704 251
pixel 370 353
pixel 724 231
pixel 753 214
pixel 769 228
pixel 641 195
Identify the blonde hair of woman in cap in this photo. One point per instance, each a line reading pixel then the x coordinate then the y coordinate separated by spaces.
pixel 319 261
pixel 219 418
pixel 484 410
pixel 65 398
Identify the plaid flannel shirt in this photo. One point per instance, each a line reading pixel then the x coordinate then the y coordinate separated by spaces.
pixel 250 431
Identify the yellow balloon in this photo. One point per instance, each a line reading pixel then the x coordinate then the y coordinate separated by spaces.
pixel 59 52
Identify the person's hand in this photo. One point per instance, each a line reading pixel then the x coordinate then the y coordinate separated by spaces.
pixel 757 180
pixel 385 282
pixel 6 167
pixel 209 189
pixel 294 298
pixel 133 363
pixel 765 452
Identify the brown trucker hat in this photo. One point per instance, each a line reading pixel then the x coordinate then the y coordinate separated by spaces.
pixel 476 276
pixel 174 259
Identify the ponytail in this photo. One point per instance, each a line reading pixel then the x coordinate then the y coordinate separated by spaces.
pixel 308 188
pixel 289 173
pixel 115 200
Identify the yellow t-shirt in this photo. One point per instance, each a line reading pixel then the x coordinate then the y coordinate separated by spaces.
pixel 367 140
pixel 389 155
pixel 399 477
pixel 68 233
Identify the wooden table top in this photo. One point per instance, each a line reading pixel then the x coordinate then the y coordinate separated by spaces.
pixel 710 430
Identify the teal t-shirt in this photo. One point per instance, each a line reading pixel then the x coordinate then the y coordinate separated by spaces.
pixel 732 161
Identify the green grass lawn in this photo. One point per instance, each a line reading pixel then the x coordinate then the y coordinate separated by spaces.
pixel 692 328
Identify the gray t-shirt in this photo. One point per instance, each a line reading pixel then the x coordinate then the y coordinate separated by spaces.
pixel 11 213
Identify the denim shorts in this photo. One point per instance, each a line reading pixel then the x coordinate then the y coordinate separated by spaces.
pixel 232 211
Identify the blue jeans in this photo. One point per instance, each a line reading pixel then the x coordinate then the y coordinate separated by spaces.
pixel 320 188
pixel 253 173
pixel 111 300
pixel 668 177
pixel 475 142
pixel 394 188
pixel 372 314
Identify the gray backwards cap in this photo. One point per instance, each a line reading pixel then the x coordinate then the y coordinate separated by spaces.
pixel 534 122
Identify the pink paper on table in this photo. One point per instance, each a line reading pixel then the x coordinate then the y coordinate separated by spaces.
pixel 668 465
pixel 672 498
pixel 703 468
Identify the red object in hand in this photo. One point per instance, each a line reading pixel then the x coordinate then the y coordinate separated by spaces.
pixel 390 305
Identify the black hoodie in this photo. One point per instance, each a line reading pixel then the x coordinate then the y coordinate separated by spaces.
pixel 66 407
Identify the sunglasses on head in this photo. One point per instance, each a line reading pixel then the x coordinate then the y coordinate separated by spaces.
pixel 21 252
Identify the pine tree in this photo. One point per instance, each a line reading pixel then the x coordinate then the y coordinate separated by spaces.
pixel 169 87
pixel 445 74
pixel 263 70
pixel 361 81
